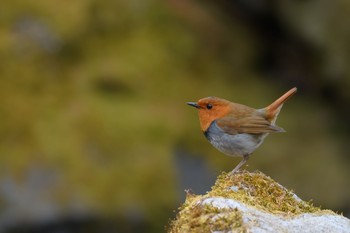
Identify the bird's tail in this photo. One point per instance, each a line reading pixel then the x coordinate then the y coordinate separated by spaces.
pixel 273 109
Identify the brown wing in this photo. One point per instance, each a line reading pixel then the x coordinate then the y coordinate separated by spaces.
pixel 248 124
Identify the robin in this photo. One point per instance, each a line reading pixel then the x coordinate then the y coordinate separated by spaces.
pixel 236 129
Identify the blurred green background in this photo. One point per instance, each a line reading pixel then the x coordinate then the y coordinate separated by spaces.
pixel 95 133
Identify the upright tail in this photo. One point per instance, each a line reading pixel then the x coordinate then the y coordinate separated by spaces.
pixel 273 109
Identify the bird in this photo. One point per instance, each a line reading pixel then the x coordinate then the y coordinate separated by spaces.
pixel 236 129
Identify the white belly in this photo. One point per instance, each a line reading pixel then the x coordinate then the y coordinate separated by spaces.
pixel 234 145
pixel 237 145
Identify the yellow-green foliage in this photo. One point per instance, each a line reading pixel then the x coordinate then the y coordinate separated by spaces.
pixel 253 189
pixel 93 92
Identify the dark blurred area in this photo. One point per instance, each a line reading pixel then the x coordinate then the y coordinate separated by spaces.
pixel 95 133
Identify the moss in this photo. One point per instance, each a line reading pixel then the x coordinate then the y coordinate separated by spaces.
pixel 194 217
pixel 258 190
pixel 253 189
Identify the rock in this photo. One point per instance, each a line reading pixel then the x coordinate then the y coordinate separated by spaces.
pixel 253 202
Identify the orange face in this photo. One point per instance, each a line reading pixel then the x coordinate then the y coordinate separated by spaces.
pixel 210 109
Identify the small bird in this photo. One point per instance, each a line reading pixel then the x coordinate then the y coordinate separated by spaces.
pixel 236 129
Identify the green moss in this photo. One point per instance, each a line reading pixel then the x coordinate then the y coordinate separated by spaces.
pixel 258 190
pixel 195 217
pixel 253 189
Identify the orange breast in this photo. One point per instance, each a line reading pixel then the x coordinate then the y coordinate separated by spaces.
pixel 206 117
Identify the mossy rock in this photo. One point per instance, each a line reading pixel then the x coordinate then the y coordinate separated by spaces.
pixel 253 202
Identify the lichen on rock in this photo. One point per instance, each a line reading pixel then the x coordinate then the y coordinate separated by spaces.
pixel 253 202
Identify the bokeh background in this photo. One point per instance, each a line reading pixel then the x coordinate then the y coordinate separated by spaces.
pixel 95 135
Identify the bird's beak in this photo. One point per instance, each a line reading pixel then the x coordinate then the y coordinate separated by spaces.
pixel 193 104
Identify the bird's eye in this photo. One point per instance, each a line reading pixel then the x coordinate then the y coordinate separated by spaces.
pixel 209 106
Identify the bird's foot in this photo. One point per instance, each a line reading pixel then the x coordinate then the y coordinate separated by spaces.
pixel 237 168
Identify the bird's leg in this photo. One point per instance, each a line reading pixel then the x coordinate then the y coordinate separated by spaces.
pixel 244 160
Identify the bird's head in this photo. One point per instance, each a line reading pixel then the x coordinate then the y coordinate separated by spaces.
pixel 210 109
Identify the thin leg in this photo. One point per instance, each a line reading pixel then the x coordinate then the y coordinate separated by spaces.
pixel 244 160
